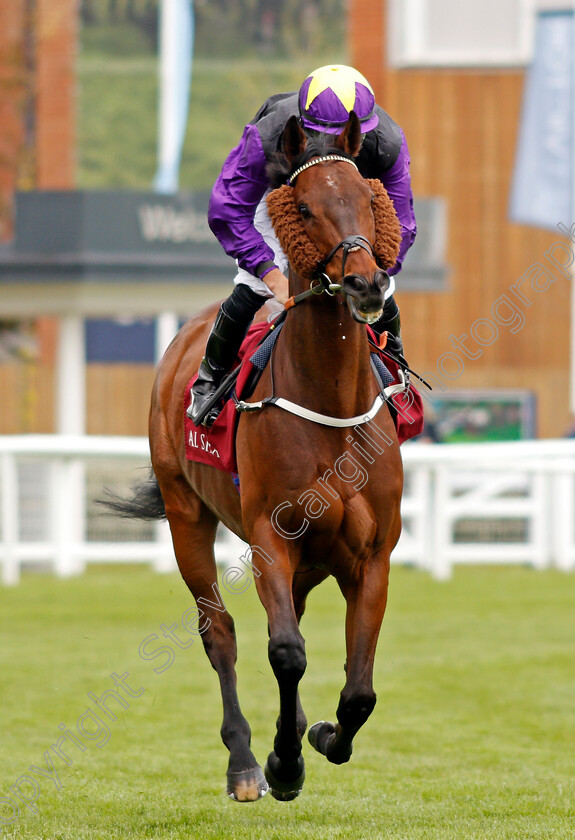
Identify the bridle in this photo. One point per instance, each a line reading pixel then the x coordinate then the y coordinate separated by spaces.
pixel 350 243
pixel 314 162
pixel 320 281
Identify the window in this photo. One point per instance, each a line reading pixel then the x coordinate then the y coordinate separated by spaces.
pixel 446 33
pixel 115 341
pixel 425 269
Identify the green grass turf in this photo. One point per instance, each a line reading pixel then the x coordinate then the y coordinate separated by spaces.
pixel 473 735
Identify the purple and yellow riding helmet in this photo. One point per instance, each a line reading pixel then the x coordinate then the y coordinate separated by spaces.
pixel 330 93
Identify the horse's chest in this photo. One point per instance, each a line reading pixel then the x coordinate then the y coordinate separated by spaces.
pixel 348 529
pixel 359 528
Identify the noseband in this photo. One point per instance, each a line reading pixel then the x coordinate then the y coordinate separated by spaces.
pixel 321 282
pixel 350 243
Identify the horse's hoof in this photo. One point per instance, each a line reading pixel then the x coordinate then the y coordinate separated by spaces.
pixel 247 785
pixel 319 735
pixel 284 791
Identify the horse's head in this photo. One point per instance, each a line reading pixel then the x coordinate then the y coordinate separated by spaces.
pixel 331 222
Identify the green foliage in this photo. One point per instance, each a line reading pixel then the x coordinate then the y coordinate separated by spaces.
pixel 472 737
pixel 271 27
pixel 117 41
pixel 226 28
pixel 118 117
pixel 137 20
pixel 239 46
pixel 118 86
pixel 117 126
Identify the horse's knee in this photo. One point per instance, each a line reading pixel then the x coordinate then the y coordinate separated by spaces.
pixel 287 657
pixel 353 711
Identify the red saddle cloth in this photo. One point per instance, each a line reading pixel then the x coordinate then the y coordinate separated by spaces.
pixel 216 446
pixel 408 407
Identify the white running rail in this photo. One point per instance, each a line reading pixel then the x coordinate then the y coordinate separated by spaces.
pixel 463 503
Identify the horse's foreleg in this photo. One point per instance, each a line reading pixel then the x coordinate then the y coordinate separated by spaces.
pixel 365 609
pixel 303 583
pixel 285 769
pixel 193 534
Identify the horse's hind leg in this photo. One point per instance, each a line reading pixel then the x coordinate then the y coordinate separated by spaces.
pixel 193 529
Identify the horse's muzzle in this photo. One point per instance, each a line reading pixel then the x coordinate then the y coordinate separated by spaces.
pixel 365 298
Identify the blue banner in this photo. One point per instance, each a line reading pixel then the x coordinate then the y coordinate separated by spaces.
pixel 543 179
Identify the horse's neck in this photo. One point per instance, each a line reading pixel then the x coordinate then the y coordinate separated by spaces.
pixel 325 359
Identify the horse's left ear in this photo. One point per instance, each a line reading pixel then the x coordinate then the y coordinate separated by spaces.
pixel 349 141
pixel 294 139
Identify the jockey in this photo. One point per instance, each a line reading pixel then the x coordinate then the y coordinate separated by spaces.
pixel 238 214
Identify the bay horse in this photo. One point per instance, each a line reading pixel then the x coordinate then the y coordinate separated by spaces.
pixel 306 502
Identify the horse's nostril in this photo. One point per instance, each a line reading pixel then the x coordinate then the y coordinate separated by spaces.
pixel 382 280
pixel 356 282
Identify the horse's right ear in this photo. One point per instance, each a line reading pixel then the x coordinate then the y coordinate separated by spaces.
pixel 294 139
pixel 350 138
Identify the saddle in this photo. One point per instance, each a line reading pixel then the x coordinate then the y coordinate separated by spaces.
pixel 216 446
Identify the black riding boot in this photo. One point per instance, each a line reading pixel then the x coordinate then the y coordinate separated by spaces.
pixel 390 321
pixel 229 330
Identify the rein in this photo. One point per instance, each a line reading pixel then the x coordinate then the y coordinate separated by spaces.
pixel 322 285
pixel 317 286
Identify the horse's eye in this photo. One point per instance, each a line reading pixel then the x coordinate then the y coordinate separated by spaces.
pixel 304 211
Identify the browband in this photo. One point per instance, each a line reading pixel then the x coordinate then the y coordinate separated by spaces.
pixel 313 162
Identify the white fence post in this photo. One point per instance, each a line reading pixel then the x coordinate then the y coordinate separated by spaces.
pixel 562 521
pixel 10 524
pixel 165 560
pixel 441 524
pixel 542 550
pixel 67 515
pixel 413 546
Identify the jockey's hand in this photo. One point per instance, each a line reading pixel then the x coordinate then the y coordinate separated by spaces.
pixel 278 284
pixel 394 344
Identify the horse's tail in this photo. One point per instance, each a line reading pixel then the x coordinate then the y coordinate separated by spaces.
pixel 145 501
